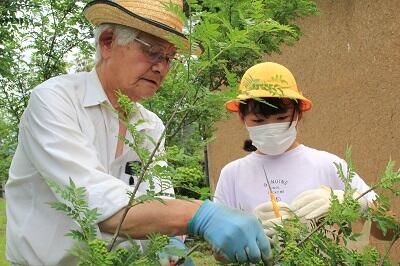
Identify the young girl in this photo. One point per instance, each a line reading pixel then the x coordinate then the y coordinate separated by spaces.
pixel 271 107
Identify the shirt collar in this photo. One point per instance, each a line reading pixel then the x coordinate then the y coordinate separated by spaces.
pixel 94 94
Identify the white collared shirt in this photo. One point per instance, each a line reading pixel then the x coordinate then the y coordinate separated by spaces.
pixel 67 131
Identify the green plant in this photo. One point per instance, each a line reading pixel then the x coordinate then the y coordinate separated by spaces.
pixel 323 241
pixel 94 251
pixel 7 146
pixel 37 36
pixel 3 261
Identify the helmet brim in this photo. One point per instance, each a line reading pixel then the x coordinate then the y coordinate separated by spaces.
pixel 304 103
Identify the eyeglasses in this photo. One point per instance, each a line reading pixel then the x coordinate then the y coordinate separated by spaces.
pixel 156 53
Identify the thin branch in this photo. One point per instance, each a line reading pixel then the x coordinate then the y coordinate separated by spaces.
pixel 366 192
pixel 186 115
pixel 395 238
pixel 52 42
pixel 322 224
pixel 144 169
pixel 150 160
pixel 179 125
pixel 51 48
pixel 11 107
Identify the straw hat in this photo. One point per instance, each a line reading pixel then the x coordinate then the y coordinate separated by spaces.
pixel 150 16
pixel 268 79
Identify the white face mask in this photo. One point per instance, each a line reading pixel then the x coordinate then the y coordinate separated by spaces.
pixel 273 139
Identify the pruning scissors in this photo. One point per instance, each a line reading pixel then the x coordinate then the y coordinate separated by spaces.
pixel 180 261
pixel 187 254
pixel 273 198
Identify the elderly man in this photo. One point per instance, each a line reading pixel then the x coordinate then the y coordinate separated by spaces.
pixel 69 131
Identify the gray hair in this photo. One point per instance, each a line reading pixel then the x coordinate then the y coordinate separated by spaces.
pixel 124 36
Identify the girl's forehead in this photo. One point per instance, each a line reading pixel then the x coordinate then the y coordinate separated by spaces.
pixel 267 107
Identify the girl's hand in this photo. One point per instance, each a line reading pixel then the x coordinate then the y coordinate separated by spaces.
pixel 315 203
pixel 266 215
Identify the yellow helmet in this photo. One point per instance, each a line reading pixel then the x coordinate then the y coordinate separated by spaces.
pixel 268 79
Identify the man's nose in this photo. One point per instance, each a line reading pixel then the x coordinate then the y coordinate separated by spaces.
pixel 161 67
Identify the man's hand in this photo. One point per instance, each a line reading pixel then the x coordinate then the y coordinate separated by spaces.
pixel 266 214
pixel 233 234
pixel 315 203
pixel 172 252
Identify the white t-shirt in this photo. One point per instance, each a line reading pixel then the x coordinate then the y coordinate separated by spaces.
pixel 242 183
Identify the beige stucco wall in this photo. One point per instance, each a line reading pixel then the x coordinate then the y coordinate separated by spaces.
pixel 348 64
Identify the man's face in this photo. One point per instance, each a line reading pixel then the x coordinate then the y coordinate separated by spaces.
pixel 133 70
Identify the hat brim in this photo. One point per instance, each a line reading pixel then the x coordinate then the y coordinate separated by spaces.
pixel 100 11
pixel 304 103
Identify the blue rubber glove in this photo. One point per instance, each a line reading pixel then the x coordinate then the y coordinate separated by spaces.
pixel 236 235
pixel 172 252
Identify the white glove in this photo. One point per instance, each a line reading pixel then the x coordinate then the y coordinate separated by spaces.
pixel 315 203
pixel 265 213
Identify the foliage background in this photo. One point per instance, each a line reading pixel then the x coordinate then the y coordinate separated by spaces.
pixel 2 233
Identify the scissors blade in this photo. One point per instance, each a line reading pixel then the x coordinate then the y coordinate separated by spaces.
pixel 273 198
pixel 266 177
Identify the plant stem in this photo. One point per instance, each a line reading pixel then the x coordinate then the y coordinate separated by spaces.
pixel 395 238
pixel 144 169
pixel 324 222
pixel 150 160
pixel 366 192
pixel 302 241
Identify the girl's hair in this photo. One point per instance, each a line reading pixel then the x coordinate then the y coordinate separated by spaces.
pixel 265 107
pixel 124 35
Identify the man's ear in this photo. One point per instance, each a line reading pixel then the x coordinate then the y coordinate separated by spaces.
pixel 106 40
